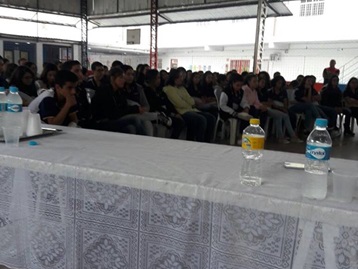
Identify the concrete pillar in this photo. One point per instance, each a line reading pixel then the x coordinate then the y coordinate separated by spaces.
pixel 39 57
pixel 2 48
pixel 77 52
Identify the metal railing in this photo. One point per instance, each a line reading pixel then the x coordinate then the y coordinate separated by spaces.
pixel 348 70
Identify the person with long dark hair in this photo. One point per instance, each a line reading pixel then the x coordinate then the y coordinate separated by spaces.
pixel 232 101
pixel 47 78
pixel 23 79
pixel 136 96
pixel 257 109
pixel 350 96
pixel 200 124
pixel 278 110
pixel 331 96
pixel 141 71
pixel 159 102
pixel 110 109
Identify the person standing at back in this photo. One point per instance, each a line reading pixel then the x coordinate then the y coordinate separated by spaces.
pixel 330 71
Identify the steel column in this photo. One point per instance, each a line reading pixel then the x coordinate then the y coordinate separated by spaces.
pixel 153 34
pixel 84 33
pixel 260 34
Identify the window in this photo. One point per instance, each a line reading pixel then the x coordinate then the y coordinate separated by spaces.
pixel 311 8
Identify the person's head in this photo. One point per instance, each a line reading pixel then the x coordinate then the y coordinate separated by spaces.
pixel 276 74
pixel 195 79
pixel 48 74
pixel 244 73
pixel 207 78
pixel 251 81
pixel 183 71
pixel 152 78
pixel 163 76
pixel 106 70
pixel 22 77
pixel 332 63
pixel 314 79
pixel 117 63
pixel 128 74
pixel 32 66
pixel 98 70
pixel 222 80
pixel 176 77
pixel 75 67
pixel 352 84
pixel 22 61
pixel 116 75
pixel 278 82
pixel 9 70
pixel 299 79
pixel 1 65
pixel 5 62
pixel 261 84
pixel 58 64
pixel 236 82
pixel 65 83
pixel 333 82
pixel 189 74
pixel 306 83
pixel 264 75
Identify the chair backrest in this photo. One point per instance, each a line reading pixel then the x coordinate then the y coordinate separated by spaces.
pixel 291 96
pixel 217 93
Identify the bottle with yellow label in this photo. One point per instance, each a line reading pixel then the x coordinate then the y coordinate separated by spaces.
pixel 253 140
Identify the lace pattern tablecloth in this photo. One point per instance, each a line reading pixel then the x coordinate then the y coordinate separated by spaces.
pixel 57 215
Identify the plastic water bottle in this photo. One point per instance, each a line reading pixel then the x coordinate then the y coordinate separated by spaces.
pixel 2 108
pixel 253 140
pixel 13 107
pixel 318 149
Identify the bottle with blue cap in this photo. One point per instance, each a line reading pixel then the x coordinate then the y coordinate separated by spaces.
pixel 318 151
pixel 2 107
pixel 13 108
pixel 14 101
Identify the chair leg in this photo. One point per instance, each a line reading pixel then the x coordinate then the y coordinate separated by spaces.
pixel 216 128
pixel 233 130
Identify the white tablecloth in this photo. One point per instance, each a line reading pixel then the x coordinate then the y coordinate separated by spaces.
pixel 87 199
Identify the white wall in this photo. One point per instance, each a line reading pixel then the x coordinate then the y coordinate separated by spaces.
pixel 107 59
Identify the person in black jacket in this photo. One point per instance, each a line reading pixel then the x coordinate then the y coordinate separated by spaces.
pixel 331 96
pixel 110 109
pixel 158 102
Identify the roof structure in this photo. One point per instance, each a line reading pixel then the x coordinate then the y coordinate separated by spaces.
pixel 179 12
pixel 124 13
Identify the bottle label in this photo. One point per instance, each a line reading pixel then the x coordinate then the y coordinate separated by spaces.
pixel 13 108
pixel 319 153
pixel 253 142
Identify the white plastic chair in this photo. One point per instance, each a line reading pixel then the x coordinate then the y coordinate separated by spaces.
pixel 233 123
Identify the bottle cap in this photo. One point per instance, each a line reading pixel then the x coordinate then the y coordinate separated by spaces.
pixel 13 89
pixel 321 123
pixel 255 121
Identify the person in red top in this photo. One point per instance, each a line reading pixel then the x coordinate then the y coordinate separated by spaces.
pixel 330 71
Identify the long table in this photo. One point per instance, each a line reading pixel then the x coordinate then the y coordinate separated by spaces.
pixel 88 199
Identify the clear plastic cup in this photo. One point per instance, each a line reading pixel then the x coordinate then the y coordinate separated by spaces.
pixel 12 135
pixel 344 185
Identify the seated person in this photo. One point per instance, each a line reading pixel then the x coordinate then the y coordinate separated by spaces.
pixel 59 106
pixel 96 81
pixel 350 95
pixel 307 94
pixel 257 109
pixel 278 110
pixel 110 108
pixel 331 96
pixel 136 96
pixel 232 101
pixel 47 78
pixel 159 102
pixel 200 124
pixel 23 79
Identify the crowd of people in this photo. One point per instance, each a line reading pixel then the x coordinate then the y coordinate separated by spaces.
pixel 122 99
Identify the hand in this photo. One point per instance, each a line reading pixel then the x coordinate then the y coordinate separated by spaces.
pixel 141 110
pixel 71 100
